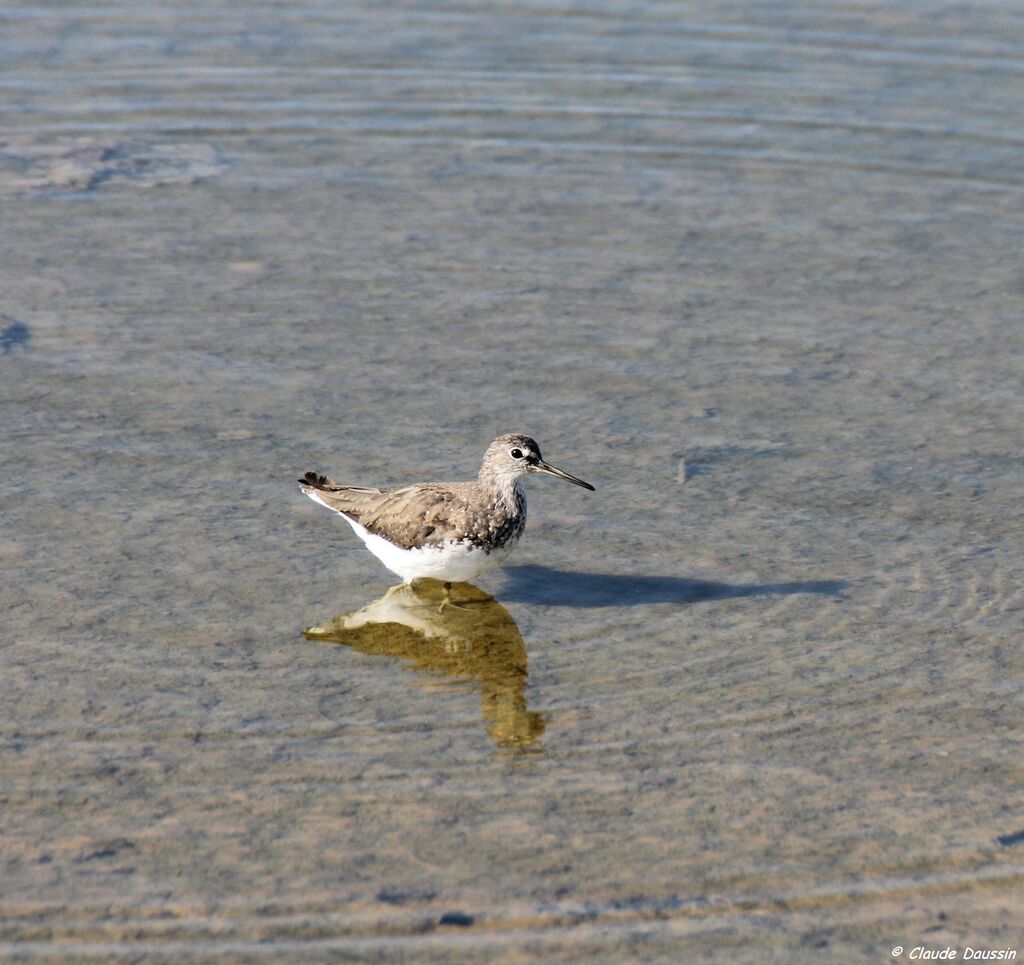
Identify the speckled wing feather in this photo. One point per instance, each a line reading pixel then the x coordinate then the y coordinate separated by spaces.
pixel 428 514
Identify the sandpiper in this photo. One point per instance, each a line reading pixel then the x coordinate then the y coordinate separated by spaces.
pixel 451 532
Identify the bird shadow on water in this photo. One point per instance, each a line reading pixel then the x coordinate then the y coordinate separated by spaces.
pixel 530 583
pixel 463 635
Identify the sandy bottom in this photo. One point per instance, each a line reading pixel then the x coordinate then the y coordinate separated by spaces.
pixel 752 269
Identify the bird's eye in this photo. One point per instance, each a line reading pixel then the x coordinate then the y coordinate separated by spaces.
pixel 516 453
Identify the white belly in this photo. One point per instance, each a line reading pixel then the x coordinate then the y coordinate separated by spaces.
pixel 451 562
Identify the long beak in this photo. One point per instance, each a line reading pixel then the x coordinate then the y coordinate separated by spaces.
pixel 542 466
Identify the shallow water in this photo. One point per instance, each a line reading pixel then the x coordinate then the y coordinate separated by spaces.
pixel 753 269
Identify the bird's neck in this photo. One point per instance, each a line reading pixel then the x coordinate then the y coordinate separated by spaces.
pixel 508 491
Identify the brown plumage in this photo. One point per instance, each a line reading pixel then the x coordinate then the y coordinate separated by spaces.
pixel 423 514
pixel 447 521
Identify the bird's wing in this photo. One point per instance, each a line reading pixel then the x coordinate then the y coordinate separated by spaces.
pixel 408 516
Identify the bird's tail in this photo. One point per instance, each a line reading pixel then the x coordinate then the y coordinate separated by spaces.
pixel 314 480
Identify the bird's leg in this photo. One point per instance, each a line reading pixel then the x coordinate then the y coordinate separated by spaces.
pixel 447 601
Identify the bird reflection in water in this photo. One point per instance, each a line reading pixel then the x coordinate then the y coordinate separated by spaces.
pixel 464 634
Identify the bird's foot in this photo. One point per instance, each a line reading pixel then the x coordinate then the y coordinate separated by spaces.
pixel 447 601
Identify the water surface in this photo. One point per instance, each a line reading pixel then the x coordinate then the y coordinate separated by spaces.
pixel 753 269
